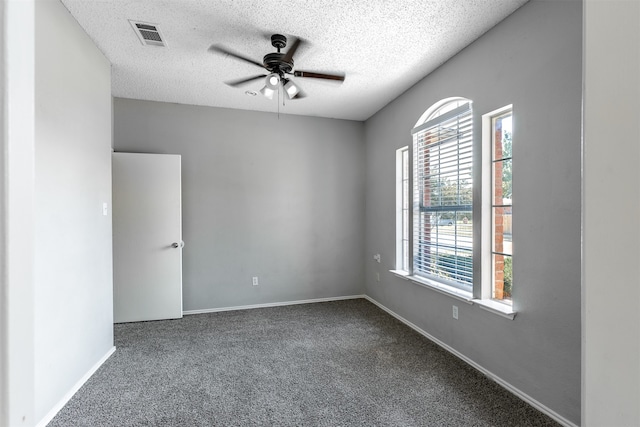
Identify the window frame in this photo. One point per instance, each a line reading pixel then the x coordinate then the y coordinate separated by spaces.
pixel 495 252
pixel 403 222
pixel 488 231
pixel 481 289
pixel 444 159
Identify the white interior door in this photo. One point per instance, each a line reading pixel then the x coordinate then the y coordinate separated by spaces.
pixel 147 237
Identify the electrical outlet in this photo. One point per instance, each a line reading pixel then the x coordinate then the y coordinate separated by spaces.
pixel 255 280
pixel 376 257
pixel 377 277
pixel 455 311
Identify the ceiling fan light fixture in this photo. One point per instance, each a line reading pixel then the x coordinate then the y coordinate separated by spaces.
pixel 267 92
pixel 272 81
pixel 291 88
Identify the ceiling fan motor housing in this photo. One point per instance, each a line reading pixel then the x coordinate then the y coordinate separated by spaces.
pixel 274 63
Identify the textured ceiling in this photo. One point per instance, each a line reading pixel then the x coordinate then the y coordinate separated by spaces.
pixel 383 47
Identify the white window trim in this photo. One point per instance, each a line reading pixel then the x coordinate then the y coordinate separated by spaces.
pixel 435 107
pixel 486 293
pixel 496 307
pixel 399 208
pixel 443 288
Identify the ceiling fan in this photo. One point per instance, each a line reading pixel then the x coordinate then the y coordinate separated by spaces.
pixel 279 65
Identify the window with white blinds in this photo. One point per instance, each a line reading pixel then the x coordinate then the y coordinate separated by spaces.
pixel 443 195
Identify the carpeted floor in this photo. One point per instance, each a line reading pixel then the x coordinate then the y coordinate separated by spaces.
pixel 343 363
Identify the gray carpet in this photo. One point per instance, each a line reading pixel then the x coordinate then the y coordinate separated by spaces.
pixel 344 363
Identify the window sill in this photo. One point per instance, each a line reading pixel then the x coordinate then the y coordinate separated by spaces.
pixel 458 294
pixel 496 307
pixel 503 310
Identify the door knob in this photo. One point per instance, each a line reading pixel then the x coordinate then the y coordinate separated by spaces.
pixel 175 245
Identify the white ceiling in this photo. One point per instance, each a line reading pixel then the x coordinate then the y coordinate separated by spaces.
pixel 384 47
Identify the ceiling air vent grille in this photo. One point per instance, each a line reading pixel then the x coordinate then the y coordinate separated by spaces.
pixel 148 34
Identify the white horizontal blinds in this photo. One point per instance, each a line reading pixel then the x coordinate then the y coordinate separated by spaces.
pixel 443 157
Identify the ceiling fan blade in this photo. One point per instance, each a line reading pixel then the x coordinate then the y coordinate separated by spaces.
pixel 289 55
pixel 337 77
pixel 240 82
pixel 225 51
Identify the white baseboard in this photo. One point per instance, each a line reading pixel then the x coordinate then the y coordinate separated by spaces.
pixel 65 399
pixel 271 304
pixel 531 401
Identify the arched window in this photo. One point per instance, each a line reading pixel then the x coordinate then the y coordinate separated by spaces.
pixel 443 194
pixel 437 241
pixel 441 107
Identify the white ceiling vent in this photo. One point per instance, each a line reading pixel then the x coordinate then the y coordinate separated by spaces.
pixel 149 34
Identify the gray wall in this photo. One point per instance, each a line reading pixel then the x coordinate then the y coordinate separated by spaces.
pixel 73 269
pixel 611 276
pixel 281 199
pixel 533 60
